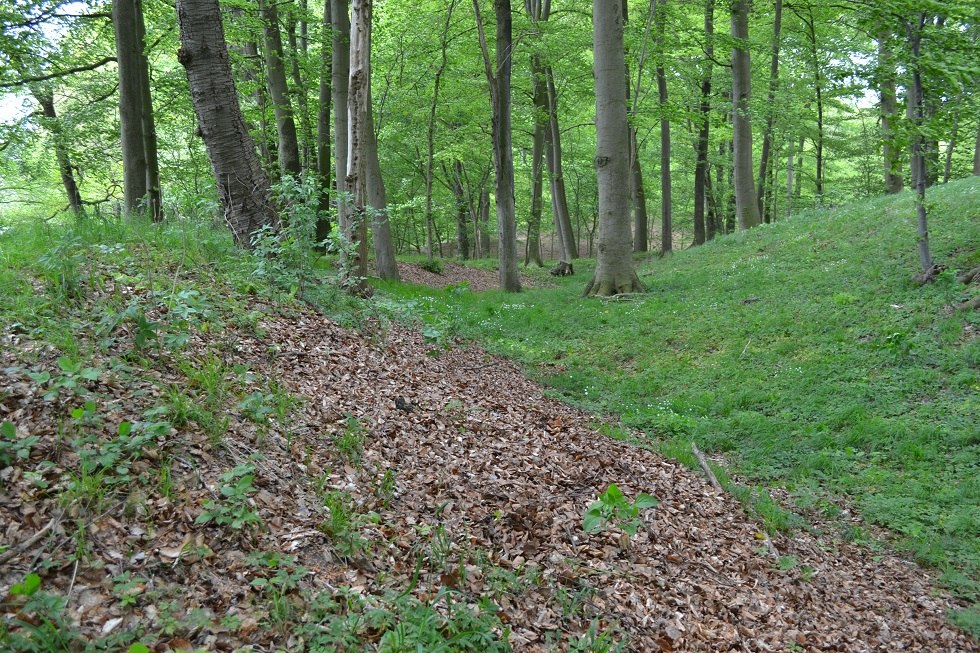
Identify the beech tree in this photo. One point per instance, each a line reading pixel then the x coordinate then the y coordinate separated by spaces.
pixel 243 187
pixel 289 159
pixel 746 202
pixel 614 272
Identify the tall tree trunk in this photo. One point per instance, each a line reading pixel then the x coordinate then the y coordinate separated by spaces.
pixel 746 201
pixel 462 209
pixel 770 108
pixel 242 185
pixel 254 74
pixel 666 201
pixel 559 198
pixel 539 85
pixel 889 110
pixel 811 31
pixel 358 128
pixel 129 58
pixel 950 145
pixel 46 100
pixel 339 74
pixel 384 247
pixel 916 102
pixel 289 162
pixel 323 130
pixel 430 132
pixel 614 272
pixel 300 91
pixel 510 279
pixel 701 176
pixel 154 193
pixel 484 220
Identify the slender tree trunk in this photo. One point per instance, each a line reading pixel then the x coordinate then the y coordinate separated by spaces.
pixel 300 91
pixel 323 130
pixel 539 85
pixel 253 73
pixel 614 272
pixel 430 132
pixel 701 176
pixel 358 128
pixel 484 220
pixel 641 220
pixel 950 146
pixel 154 193
pixel 498 77
pixel 889 110
pixel 289 163
pixel 384 247
pixel 462 209
pixel 818 90
pixel 242 185
pixel 916 102
pixel 559 198
pixel 666 201
pixel 129 58
pixel 339 74
pixel 770 108
pixel 46 100
pixel 746 200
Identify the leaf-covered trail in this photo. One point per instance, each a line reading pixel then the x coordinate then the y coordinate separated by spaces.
pixel 479 483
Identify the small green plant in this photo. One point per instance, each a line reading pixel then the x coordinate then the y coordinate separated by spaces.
pixel 127 588
pixel 276 577
pixel 72 375
pixel 432 265
pixel 12 448
pixel 350 443
pixel 386 488
pixel 612 507
pixel 234 508
pixel 344 523
pixel 37 621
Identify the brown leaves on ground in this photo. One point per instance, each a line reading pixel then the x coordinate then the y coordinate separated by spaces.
pixel 479 482
pixel 454 274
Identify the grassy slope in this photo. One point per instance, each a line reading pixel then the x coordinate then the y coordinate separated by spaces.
pixel 802 350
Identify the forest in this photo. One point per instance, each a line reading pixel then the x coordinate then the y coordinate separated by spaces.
pixel 356 325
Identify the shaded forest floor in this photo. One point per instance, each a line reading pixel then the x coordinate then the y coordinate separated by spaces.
pixel 191 460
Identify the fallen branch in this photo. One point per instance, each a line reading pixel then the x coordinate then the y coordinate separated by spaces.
pixel 15 551
pixel 971 305
pixel 705 467
pixel 970 275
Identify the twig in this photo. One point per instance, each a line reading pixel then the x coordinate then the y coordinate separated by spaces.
pixel 15 551
pixel 74 574
pixel 704 466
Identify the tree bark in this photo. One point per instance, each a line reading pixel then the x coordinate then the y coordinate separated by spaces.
pixel 539 98
pixel 154 193
pixel 358 127
pixel 559 198
pixel 462 209
pixel 614 272
pixel 976 154
pixel 129 59
pixel 339 75
pixel 289 162
pixel 384 247
pixel 323 130
pixel 302 106
pixel 916 103
pixel 242 185
pixel 666 201
pixel 746 201
pixel 770 108
pixel 46 100
pixel 430 132
pixel 701 176
pixel 510 279
pixel 889 111
pixel 950 146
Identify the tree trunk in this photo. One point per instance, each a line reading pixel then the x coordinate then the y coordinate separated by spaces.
pixel 46 100
pixel 340 72
pixel 666 219
pixel 154 193
pixel 559 198
pixel 289 163
pixel 950 145
pixel 614 272
pixel 770 108
pixel 889 110
pixel 976 153
pixel 358 128
pixel 384 247
pixel 746 200
pixel 916 102
pixel 242 185
pixel 323 130
pixel 484 220
pixel 539 85
pixel 462 209
pixel 503 156
pixel 701 176
pixel 300 91
pixel 430 132
pixel 818 89
pixel 253 73
pixel 129 58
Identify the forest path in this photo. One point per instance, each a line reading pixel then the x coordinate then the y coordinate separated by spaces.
pixel 479 451
pixel 478 482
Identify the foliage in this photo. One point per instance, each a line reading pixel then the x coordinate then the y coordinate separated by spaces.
pixel 14 449
pixel 234 506
pixel 614 508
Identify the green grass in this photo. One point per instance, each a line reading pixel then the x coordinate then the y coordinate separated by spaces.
pixel 801 350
